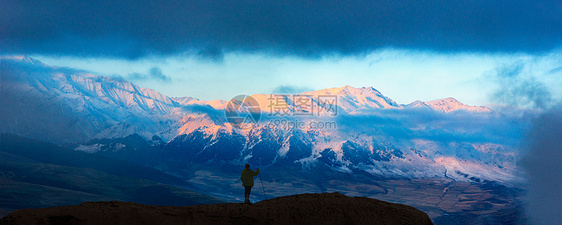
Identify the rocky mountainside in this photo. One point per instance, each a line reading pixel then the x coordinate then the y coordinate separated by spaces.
pixel 366 130
pixel 327 208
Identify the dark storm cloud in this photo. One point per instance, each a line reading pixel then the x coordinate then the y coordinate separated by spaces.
pixel 517 89
pixel 132 29
pixel 543 163
pixel 213 53
pixel 154 73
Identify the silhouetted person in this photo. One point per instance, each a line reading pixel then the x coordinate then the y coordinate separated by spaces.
pixel 247 178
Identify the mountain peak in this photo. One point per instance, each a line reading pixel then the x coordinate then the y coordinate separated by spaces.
pixel 417 104
pixel 451 104
pixel 448 99
pixel 24 59
pixel 347 90
pixel 351 99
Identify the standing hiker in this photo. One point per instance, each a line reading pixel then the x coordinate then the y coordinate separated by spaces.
pixel 247 178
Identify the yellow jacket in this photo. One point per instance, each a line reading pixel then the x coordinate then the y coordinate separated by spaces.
pixel 247 177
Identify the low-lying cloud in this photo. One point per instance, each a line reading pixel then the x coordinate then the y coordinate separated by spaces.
pixel 140 28
pixel 543 163
pixel 216 115
pixel 408 124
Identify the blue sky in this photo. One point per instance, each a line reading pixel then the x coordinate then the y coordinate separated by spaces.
pixel 480 52
pixel 403 75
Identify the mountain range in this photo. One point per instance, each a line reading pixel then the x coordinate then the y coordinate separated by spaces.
pixel 68 106
pixel 314 136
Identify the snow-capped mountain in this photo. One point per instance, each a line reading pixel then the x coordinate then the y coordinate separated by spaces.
pixel 451 104
pixel 447 105
pixel 38 99
pixel 370 132
pixel 352 99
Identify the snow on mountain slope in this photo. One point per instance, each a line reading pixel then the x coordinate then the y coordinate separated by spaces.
pixel 117 92
pixel 418 104
pixel 352 99
pixel 80 105
pixel 184 100
pixel 39 99
pixel 69 106
pixel 35 104
pixel 451 104
pixel 346 99
pixel 202 140
pixel 190 123
pixel 371 150
pixel 24 59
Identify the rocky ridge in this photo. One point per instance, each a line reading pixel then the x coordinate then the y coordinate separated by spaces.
pixel 325 208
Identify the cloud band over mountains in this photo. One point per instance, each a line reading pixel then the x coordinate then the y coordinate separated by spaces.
pixel 134 29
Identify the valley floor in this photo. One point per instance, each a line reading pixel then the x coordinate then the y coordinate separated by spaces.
pixel 445 201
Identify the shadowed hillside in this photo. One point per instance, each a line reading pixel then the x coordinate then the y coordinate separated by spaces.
pixel 36 174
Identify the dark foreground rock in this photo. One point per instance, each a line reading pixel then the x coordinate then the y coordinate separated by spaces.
pixel 327 208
